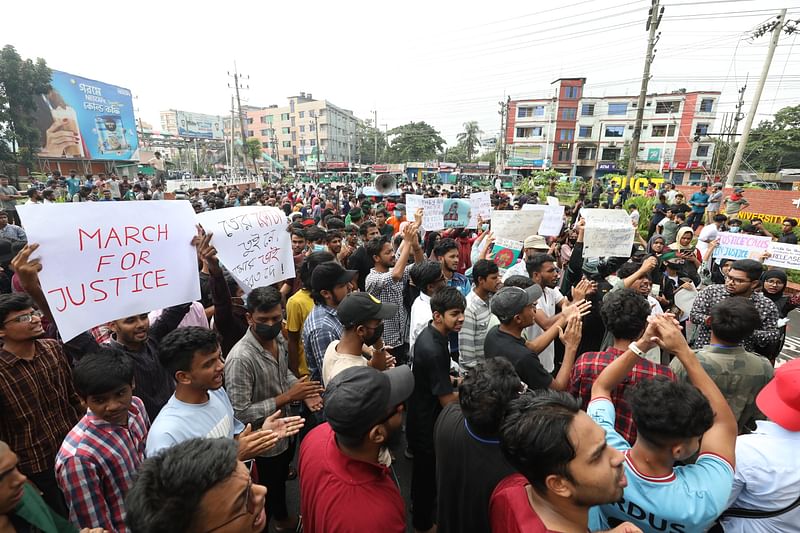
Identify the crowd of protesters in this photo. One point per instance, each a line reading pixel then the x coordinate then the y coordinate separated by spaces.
pixel 565 393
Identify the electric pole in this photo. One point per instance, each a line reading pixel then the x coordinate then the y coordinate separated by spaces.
pixel 501 147
pixel 236 85
pixel 776 27
pixel 653 20
pixel 375 133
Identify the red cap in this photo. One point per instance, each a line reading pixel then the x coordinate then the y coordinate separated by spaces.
pixel 780 399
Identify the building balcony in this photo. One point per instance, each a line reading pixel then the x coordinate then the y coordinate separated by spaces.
pixel 585 162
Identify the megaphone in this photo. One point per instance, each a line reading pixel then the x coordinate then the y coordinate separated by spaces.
pixel 385 184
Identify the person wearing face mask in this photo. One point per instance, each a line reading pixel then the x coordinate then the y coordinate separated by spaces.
pixel 362 316
pixel 258 382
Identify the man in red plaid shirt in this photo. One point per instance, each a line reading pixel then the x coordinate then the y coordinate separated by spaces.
pixel 624 312
pixel 99 457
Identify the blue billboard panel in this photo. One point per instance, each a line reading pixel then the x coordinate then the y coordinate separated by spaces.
pixel 86 119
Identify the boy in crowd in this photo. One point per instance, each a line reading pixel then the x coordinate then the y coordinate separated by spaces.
pixel 486 277
pixel 99 457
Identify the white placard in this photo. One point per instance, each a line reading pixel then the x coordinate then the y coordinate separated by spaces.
pixel 516 225
pixel 252 243
pixel 608 233
pixel 103 261
pixel 741 246
pixel 783 255
pixel 432 210
pixel 552 200
pixel 480 205
pixel 553 219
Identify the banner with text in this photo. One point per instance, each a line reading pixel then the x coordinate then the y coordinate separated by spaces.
pixel 553 218
pixel 783 255
pixel 516 225
pixel 432 209
pixel 608 233
pixel 252 243
pixel 104 261
pixel 739 246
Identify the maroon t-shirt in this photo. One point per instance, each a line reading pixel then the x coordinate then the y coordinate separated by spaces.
pixel 509 509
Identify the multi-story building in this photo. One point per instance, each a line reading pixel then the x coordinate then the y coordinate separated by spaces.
pixel 587 136
pixel 303 132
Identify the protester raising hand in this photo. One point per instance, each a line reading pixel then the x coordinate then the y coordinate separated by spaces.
pixel 254 443
pixel 287 426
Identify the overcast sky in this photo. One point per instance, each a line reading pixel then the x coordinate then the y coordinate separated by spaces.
pixel 444 62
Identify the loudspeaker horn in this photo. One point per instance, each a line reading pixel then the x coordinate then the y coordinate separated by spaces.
pixel 385 184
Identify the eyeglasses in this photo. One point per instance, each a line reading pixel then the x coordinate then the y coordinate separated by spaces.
pixel 27 317
pixel 736 280
pixel 249 508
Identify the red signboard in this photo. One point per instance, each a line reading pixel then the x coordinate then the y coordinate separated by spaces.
pixel 380 168
pixel 335 164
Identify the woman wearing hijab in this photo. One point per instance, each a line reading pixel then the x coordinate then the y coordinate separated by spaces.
pixel 773 285
pixel 683 248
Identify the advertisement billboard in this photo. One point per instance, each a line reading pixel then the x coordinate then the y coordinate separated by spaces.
pixel 198 125
pixel 86 119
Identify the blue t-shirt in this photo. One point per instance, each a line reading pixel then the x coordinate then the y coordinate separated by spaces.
pixel 179 421
pixel 686 501
pixel 698 198
pixel 73 186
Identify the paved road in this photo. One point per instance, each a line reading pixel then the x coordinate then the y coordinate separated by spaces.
pixel 791 349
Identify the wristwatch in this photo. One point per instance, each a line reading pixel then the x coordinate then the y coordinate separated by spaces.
pixel 635 349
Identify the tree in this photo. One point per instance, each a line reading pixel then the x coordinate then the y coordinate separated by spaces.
pixel 454 154
pixel 624 158
pixel 21 83
pixel 775 144
pixel 470 138
pixel 415 141
pixel 365 143
pixel 253 150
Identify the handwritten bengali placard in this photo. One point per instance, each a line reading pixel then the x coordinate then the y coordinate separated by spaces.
pixel 516 225
pixel 608 233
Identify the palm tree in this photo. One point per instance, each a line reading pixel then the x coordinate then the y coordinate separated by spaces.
pixel 470 138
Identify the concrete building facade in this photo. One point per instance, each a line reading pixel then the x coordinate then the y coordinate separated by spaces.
pixel 587 136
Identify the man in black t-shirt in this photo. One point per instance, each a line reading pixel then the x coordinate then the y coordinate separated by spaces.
pixel 361 260
pixel 516 310
pixel 433 390
pixel 469 462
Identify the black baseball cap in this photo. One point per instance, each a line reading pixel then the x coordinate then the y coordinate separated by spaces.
pixel 511 301
pixel 360 397
pixel 330 274
pixel 358 307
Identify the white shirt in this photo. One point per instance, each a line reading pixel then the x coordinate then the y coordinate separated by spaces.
pixel 707 234
pixel 334 362
pixel 547 303
pixel 421 314
pixel 768 478
pixel 634 216
pixel 671 196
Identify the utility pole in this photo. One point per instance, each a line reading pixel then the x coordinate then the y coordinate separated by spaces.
pixel 653 20
pixel 776 27
pixel 236 85
pixel 233 136
pixel 375 132
pixel 501 153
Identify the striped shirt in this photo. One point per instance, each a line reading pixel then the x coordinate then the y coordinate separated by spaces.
pixel 96 465
pixel 384 288
pixel 38 404
pixel 253 380
pixel 473 332
pixel 321 328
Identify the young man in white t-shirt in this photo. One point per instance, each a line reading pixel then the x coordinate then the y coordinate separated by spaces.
pixel 709 233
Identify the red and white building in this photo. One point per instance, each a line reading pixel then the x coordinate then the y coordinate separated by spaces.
pixel 586 136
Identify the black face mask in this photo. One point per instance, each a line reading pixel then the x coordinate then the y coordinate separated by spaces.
pixel 267 333
pixel 377 333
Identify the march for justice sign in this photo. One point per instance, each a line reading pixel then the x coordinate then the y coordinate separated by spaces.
pixel 103 261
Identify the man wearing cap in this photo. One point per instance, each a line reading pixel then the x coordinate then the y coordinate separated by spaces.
pixel 767 478
pixel 362 317
pixel 398 218
pixel 532 245
pixel 330 283
pixel 516 309
pixel 735 203
pixel 343 487
pixel 355 217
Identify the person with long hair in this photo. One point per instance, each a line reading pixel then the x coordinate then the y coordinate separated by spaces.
pixel 773 286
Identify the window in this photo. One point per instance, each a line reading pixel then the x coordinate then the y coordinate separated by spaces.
pixel 249 120
pixel 585 132
pixel 566 135
pixel 265 133
pixel 619 108
pixel 570 92
pixel 587 110
pixel 313 142
pixel 293 122
pixel 660 131
pixel 668 106
pixel 538 111
pixel 524 112
pixel 269 118
pixel 302 128
pixel 564 155
pixel 285 131
pixel 706 104
pixel 702 150
pixel 250 133
pixel 265 144
pixel 302 142
pixel 586 152
pixel 701 129
pixel 284 116
pixel 286 144
pixel 535 131
pixel 312 126
pixel 568 113
pixel 615 131
pixel 285 157
pixel 302 114
pixel 321 113
pixel 263 119
pixel 610 154
pixel 671 130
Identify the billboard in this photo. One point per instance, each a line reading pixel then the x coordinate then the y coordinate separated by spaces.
pixel 86 119
pixel 198 125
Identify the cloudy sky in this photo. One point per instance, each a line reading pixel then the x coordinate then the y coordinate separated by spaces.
pixel 444 62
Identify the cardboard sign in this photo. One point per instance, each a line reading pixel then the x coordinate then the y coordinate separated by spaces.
pixel 553 219
pixel 505 252
pixel 741 246
pixel 608 233
pixel 516 225
pixel 456 213
pixel 480 205
pixel 552 201
pixel 103 261
pixel 252 243
pixel 432 209
pixel 783 255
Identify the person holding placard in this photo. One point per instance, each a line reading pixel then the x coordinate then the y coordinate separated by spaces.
pixel 532 245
